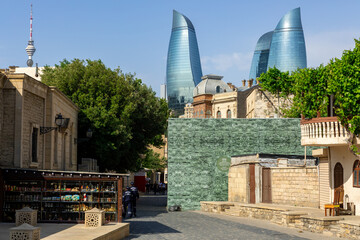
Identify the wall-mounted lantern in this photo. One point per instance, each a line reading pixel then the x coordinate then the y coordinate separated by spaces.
pixel 59 121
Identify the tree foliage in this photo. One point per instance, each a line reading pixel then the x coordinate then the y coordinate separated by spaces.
pixel 153 160
pixel 310 94
pixel 279 84
pixel 311 88
pixel 276 82
pixel 123 113
pixel 344 83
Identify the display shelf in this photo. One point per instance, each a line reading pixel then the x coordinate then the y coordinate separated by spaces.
pixel 47 196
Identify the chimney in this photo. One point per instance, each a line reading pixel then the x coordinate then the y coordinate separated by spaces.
pixel 250 82
pixel 12 69
pixel 243 82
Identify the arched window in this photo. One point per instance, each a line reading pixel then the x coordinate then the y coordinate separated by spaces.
pixel 218 115
pixel 217 89
pixel 228 115
pixel 208 114
pixel 356 171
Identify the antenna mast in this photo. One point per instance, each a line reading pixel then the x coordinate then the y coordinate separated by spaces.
pixel 30 49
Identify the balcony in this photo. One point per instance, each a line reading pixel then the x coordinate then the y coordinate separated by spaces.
pixel 323 131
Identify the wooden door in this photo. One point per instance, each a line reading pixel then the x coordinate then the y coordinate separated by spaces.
pixel 252 183
pixel 266 185
pixel 338 181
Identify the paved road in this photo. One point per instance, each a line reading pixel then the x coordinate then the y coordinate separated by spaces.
pixel 154 222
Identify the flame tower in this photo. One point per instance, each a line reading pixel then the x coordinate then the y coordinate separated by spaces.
pixel 183 70
pixel 30 49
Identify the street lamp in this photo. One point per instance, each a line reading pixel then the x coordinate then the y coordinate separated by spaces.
pixel 89 134
pixel 59 122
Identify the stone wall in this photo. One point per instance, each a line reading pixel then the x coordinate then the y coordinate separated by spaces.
pixel 295 186
pixel 238 181
pixel 262 104
pixel 198 149
pixel 8 132
pixel 33 116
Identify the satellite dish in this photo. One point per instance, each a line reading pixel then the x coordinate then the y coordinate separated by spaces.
pixel 29 62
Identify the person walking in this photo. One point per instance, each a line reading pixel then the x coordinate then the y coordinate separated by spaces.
pixel 147 187
pixel 155 188
pixel 135 193
pixel 127 202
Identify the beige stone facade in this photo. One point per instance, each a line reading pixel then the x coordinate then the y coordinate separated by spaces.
pixel 295 186
pixel 188 111
pixel 26 106
pixel 238 181
pixel 262 104
pixel 291 182
pixel 226 105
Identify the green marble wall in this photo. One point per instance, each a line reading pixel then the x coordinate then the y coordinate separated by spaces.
pixel 197 146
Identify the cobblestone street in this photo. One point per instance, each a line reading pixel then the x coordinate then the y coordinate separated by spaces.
pixel 154 222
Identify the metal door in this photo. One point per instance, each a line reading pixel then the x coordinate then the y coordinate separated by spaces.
pixel 252 182
pixel 266 185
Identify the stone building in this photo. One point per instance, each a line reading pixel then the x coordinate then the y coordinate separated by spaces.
pixel 188 111
pixel 246 102
pixel 204 92
pixel 28 134
pixel 272 178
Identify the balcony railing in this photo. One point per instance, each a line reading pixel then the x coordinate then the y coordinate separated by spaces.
pixel 323 131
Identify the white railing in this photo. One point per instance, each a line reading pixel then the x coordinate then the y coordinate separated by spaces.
pixel 326 131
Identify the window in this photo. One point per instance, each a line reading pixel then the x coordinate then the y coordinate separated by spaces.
pixel 34 144
pixel 208 114
pixel 229 113
pixel 356 171
pixel 218 89
pixel 218 114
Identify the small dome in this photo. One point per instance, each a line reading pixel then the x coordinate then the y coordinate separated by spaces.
pixel 211 84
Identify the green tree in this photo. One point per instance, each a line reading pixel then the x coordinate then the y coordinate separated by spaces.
pixel 310 92
pixel 344 84
pixel 124 114
pixel 152 160
pixel 311 88
pixel 279 84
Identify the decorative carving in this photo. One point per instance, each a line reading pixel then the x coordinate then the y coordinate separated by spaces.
pixel 26 215
pixel 94 218
pixel 25 232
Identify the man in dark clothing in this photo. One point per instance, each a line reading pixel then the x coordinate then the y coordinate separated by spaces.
pixel 127 202
pixel 135 193
pixel 147 186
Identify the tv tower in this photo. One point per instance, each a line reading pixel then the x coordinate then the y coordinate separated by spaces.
pixel 30 49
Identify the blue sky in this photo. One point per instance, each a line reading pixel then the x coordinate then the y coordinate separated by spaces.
pixel 135 34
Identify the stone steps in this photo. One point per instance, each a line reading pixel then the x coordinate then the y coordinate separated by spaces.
pixel 301 219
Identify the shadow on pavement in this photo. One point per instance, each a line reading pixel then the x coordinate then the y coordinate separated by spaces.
pixel 139 228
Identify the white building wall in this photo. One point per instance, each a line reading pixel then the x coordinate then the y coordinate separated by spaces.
pixel 342 155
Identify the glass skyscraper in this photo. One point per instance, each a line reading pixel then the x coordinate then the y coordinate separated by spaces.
pixel 287 50
pixel 261 56
pixel 183 70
